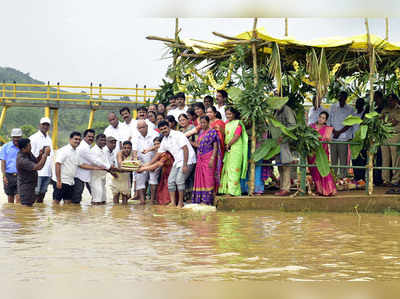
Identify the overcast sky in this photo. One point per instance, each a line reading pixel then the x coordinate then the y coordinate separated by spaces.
pixel 78 42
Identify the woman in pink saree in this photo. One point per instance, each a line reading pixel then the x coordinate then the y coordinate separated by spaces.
pixel 324 186
pixel 209 164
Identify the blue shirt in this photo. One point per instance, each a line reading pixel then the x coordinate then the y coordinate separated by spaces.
pixel 9 154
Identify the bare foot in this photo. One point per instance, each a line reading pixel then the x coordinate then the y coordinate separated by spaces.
pixel 180 205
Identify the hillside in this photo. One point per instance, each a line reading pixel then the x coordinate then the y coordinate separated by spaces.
pixel 69 119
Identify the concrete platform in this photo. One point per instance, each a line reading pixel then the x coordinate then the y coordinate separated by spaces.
pixel 344 201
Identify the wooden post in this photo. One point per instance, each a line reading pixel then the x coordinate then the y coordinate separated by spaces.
pixel 175 58
pixel 253 122
pixel 387 28
pixel 286 26
pixel 54 135
pixel 371 54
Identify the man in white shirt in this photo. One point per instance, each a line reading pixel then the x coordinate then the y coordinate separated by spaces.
pixel 181 107
pixel 65 167
pixel 110 150
pixel 130 125
pixel 98 177
pixel 39 141
pixel 83 175
pixel 337 115
pixel 184 160
pixel 142 115
pixel 315 111
pixel 116 130
pixel 140 142
pixel 221 97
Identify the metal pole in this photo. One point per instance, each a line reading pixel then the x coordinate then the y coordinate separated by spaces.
pixel 47 109
pixel 54 134
pixel 91 118
pixel 3 115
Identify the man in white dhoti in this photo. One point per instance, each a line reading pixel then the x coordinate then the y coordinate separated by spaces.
pixel 98 177
pixel 141 141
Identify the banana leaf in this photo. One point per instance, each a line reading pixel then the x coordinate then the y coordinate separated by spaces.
pixel 268 149
pixel 276 103
pixel 321 159
pixel 371 114
pixel 352 120
pixel 284 130
pixel 356 148
pixel 363 131
pixel 234 93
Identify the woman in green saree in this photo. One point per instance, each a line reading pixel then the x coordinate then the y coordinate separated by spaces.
pixel 235 160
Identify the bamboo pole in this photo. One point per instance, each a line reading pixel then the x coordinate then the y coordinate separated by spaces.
pixel 286 26
pixel 371 55
pixel 387 28
pixel 253 123
pixel 176 41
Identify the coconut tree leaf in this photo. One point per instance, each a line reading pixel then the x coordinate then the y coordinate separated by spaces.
pixel 276 103
pixel 321 159
pixel 323 75
pixel 275 69
pixel 352 120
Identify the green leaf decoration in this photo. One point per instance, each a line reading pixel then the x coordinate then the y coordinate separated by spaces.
pixel 352 120
pixel 284 130
pixel 268 149
pixel 372 114
pixel 321 159
pixel 356 148
pixel 235 93
pixel 363 131
pixel 275 69
pixel 276 103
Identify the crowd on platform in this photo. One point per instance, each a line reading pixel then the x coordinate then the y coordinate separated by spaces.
pixel 187 153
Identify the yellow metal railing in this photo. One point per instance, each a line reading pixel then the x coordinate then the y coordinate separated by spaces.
pixel 68 93
pixel 52 97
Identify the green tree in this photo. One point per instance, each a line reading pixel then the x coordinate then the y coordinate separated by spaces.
pixel 27 130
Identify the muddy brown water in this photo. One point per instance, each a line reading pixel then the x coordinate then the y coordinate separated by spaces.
pixel 154 243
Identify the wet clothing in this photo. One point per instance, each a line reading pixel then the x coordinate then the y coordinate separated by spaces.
pixel 11 188
pixel 27 177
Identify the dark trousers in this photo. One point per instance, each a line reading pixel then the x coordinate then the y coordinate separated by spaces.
pixel 359 173
pixel 27 193
pixel 65 193
pixel 77 190
pixel 378 172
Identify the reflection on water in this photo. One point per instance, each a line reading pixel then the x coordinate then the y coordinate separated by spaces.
pixel 153 243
